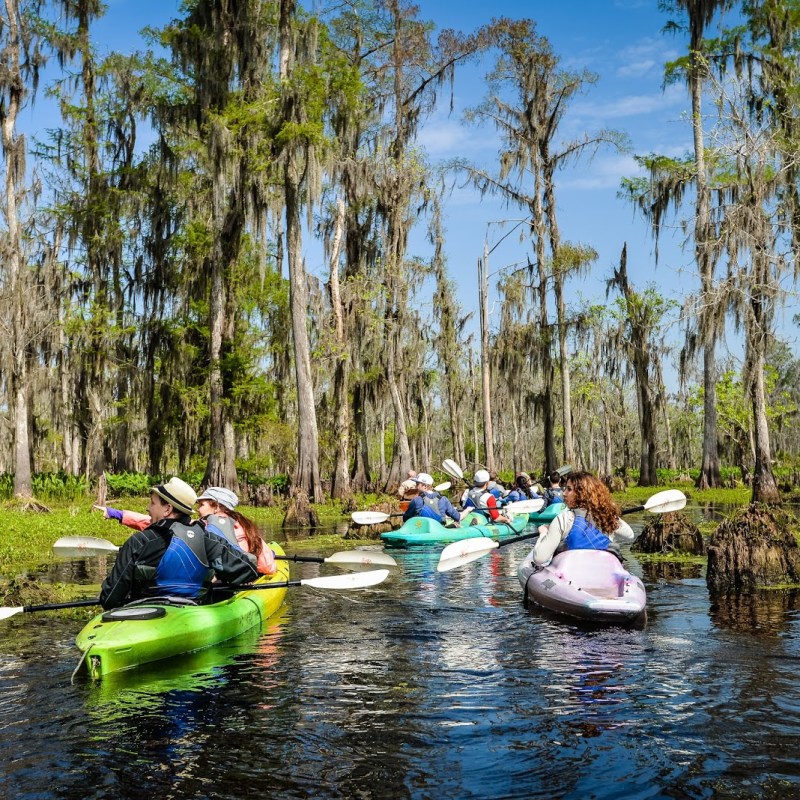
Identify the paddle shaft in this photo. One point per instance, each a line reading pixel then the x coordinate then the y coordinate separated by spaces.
pixel 56 606
pixel 96 601
pixel 304 559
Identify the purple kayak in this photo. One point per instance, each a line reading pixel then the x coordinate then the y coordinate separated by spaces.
pixel 588 584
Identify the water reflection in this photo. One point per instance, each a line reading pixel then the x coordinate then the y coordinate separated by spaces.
pixel 761 612
pixel 672 570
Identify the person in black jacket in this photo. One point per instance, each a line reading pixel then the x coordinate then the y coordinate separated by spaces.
pixel 174 557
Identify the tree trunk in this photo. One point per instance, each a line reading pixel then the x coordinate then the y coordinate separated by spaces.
pixel 361 476
pixel 765 489
pixel 221 464
pixel 307 475
pixel 340 485
pixel 14 151
pixel 486 378
pixel 401 452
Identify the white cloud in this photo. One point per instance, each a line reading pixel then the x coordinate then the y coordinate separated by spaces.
pixel 635 68
pixel 603 172
pixel 443 137
pixel 631 105
pixel 645 57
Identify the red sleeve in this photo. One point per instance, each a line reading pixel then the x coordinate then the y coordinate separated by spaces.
pixel 491 504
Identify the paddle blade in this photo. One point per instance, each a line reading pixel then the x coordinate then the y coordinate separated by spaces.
pixel 354 580
pixel 442 487
pixel 452 469
pixel 83 546
pixel 523 506
pixel 10 611
pixel 668 500
pixel 364 558
pixel 467 550
pixel 368 517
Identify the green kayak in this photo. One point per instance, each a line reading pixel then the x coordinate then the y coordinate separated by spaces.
pixel 423 530
pixel 150 630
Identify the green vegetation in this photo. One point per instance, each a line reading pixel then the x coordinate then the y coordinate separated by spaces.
pixel 26 544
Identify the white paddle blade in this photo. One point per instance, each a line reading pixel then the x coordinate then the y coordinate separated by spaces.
pixel 365 558
pixel 442 487
pixel 81 546
pixel 9 611
pixel 452 469
pixel 522 506
pixel 354 580
pixel 668 500
pixel 459 553
pixel 368 517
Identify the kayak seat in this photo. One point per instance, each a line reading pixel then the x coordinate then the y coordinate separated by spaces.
pixel 608 591
pixel 164 600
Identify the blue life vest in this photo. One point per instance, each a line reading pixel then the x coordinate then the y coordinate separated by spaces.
pixel 554 495
pixel 584 536
pixel 183 570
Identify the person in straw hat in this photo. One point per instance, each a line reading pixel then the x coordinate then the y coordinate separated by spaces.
pixel 172 557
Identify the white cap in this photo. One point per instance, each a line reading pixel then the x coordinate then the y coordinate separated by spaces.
pixel 481 477
pixel 224 497
pixel 424 478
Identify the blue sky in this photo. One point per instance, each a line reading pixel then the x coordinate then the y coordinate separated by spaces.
pixel 620 40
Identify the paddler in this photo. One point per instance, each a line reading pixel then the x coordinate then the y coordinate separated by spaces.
pixel 429 503
pixel 591 521
pixel 173 557
pixel 480 499
pixel 216 507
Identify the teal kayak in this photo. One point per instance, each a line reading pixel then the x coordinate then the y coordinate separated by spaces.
pixel 547 514
pixel 423 530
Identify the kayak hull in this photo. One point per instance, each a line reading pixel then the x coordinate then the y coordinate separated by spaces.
pixel 112 645
pixel 546 515
pixel 420 531
pixel 588 584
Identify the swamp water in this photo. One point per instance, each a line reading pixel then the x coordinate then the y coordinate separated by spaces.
pixel 427 686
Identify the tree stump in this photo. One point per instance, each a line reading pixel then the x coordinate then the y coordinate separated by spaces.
pixel 756 547
pixel 670 533
pixel 763 611
pixel 300 513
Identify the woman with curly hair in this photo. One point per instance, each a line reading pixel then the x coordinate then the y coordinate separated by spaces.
pixel 591 520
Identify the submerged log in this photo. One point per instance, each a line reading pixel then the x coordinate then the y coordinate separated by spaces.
pixel 670 533
pixel 757 547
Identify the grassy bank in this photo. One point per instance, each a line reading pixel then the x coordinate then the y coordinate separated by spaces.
pixel 27 538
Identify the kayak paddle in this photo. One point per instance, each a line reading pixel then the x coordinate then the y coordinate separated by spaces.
pixel 467 550
pixel 353 580
pixel 522 506
pixel 373 517
pixel 79 546
pixel 452 469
